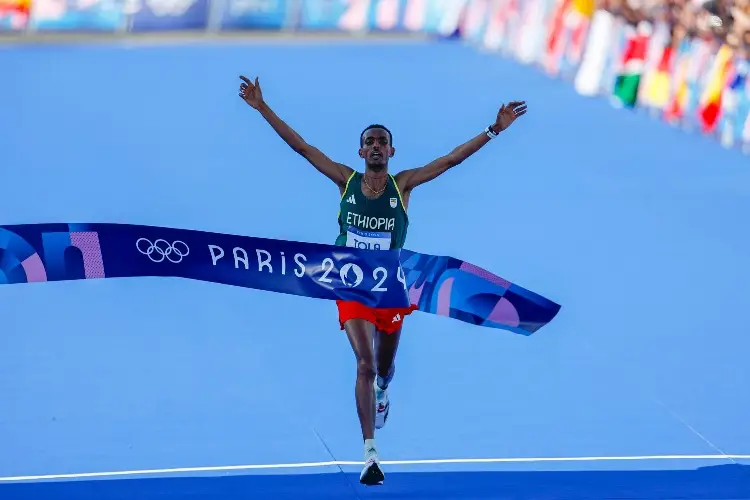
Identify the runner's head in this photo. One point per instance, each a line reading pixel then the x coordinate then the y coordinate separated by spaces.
pixel 376 147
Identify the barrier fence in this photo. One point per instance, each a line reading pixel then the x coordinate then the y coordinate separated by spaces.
pixel 694 81
pixel 135 16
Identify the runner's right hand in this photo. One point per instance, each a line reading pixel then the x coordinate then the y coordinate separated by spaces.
pixel 250 92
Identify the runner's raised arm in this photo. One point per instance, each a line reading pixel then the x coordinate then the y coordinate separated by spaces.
pixel 251 93
pixel 409 179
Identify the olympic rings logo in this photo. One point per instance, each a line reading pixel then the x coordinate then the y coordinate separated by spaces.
pixel 162 249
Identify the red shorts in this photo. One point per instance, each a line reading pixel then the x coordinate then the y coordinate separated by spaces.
pixel 386 320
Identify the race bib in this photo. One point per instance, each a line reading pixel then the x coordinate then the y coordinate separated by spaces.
pixel 368 240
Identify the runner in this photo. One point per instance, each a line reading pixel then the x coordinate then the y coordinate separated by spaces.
pixel 373 215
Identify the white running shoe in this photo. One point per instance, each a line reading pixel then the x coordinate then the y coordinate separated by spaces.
pixel 371 474
pixel 382 406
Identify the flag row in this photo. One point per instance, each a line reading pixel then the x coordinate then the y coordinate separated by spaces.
pixel 699 84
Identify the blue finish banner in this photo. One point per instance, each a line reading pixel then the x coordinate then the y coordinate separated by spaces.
pixel 64 15
pixel 167 15
pixel 33 253
pixel 254 14
pixel 456 289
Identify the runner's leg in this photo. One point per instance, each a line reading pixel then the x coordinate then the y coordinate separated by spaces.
pixel 360 334
pixel 386 346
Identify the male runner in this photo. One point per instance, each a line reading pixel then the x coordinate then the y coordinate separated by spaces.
pixel 372 212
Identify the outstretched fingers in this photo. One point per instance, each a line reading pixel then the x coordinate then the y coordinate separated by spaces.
pixel 244 86
pixel 519 107
pixel 247 84
pixel 247 80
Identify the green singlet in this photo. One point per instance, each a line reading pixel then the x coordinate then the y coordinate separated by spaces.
pixel 378 224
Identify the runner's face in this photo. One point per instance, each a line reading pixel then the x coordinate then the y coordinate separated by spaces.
pixel 376 149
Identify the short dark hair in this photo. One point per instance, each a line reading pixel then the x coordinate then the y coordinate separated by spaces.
pixel 370 127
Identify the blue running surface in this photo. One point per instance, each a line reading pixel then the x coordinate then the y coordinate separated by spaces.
pixel 173 389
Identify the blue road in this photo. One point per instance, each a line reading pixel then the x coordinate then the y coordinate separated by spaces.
pixel 637 389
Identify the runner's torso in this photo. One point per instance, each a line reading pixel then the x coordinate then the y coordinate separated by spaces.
pixel 379 224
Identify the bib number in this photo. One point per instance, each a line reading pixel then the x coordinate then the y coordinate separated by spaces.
pixel 368 240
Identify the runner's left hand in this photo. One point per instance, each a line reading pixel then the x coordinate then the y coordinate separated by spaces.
pixel 508 114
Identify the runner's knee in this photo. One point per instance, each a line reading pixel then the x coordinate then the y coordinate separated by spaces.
pixel 366 366
pixel 386 368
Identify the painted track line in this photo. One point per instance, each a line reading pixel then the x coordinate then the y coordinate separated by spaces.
pixel 221 468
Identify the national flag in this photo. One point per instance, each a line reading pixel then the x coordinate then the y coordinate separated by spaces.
pixel 709 109
pixel 631 65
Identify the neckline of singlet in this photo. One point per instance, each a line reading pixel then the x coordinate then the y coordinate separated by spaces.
pixel 388 179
